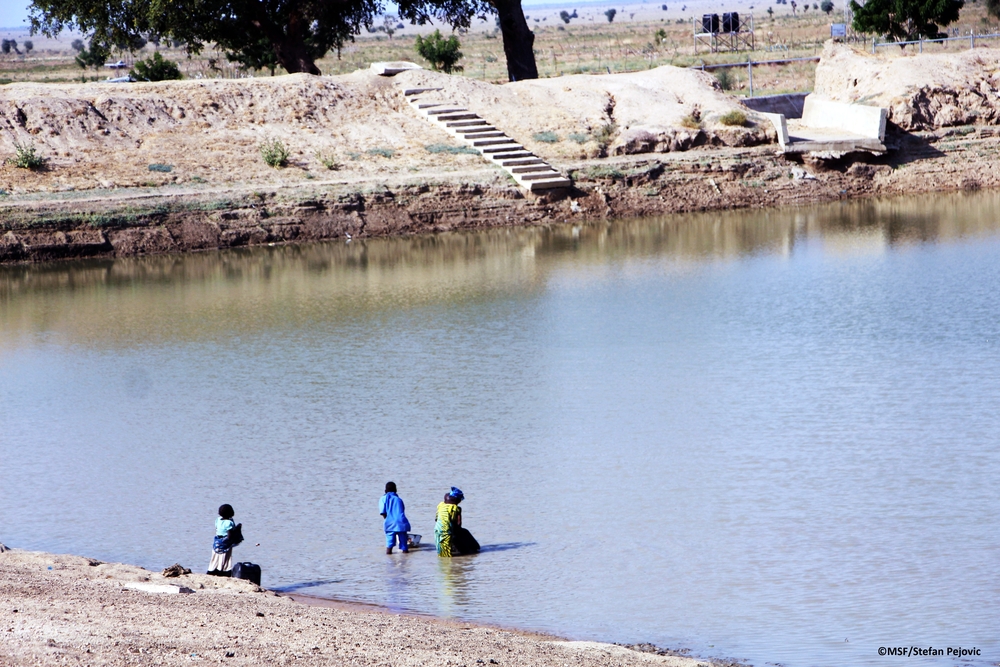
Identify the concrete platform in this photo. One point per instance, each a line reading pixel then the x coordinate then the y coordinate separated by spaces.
pixel 831 127
pixel 393 68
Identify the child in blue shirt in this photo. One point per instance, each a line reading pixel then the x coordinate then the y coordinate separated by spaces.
pixel 396 524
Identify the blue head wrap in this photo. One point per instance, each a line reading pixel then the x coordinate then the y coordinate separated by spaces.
pixel 456 493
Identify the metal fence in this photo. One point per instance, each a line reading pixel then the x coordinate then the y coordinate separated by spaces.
pixel 750 63
pixel 970 38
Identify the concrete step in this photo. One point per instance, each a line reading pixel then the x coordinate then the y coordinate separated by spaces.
pixel 481 135
pixel 514 155
pixel 416 91
pixel 490 142
pixel 538 176
pixel 457 116
pixel 429 105
pixel 447 109
pixel 531 169
pixel 469 131
pixel 521 162
pixel 508 148
pixel 467 123
pixel 550 184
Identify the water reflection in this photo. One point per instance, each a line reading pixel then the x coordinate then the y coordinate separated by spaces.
pixel 455 593
pixel 91 302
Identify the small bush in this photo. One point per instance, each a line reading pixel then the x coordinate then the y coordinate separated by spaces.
pixel 546 137
pixel 26 157
pixel 734 118
pixel 610 14
pixel 327 161
pixel 441 53
pixel 274 152
pixel 454 150
pixel 579 137
pixel 156 68
pixel 164 168
pixel 691 121
pixel 606 133
pixel 725 78
pixel 380 152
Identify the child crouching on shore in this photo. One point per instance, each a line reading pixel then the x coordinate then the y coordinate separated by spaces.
pixel 227 536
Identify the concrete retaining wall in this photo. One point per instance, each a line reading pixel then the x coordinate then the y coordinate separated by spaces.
pixel 854 118
pixel 789 105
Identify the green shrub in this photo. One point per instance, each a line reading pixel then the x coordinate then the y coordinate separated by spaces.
pixel 274 152
pixel 660 36
pixel 691 121
pixel 441 53
pixel 734 118
pixel 606 133
pixel 156 68
pixel 26 157
pixel 546 137
pixel 454 150
pixel 725 78
pixel 610 14
pixel 381 152
pixel 164 168
pixel 327 161
pixel 579 137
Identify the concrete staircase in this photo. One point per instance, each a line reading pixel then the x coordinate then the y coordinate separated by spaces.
pixel 530 171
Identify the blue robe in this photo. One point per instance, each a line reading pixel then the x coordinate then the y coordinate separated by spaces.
pixel 392 507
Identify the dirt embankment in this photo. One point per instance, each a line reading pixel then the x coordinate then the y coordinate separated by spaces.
pixel 57 610
pixel 99 197
pixel 921 91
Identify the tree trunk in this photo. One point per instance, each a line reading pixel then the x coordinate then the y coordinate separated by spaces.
pixel 295 58
pixel 518 40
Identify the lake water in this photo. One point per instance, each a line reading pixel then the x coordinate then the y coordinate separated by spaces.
pixel 760 435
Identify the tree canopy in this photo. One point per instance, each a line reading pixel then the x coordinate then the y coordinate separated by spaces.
pixel 905 20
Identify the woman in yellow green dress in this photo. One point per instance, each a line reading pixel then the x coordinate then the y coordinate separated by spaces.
pixel 449 520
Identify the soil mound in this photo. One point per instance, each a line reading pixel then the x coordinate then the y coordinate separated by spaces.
pixel 659 110
pixel 921 91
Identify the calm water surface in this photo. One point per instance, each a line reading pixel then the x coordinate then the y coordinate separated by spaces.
pixel 771 436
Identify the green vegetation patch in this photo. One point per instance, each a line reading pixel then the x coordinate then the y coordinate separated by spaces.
pixel 162 168
pixel 734 118
pixel 454 150
pixel 579 137
pixel 274 152
pixel 546 137
pixel 603 171
pixel 26 156
pixel 381 152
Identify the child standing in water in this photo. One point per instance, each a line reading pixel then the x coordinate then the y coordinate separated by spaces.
pixel 396 524
pixel 221 564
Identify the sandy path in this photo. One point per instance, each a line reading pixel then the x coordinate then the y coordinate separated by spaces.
pixel 68 610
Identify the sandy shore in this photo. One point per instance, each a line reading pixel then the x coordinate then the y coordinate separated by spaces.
pixel 70 610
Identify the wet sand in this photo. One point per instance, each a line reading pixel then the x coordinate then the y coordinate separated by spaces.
pixel 58 609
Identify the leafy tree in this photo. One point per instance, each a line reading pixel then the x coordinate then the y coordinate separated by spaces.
pixel 905 20
pixel 8 45
pixel 611 14
pixel 94 57
pixel 565 16
pixel 77 45
pixel 660 36
pixel 440 52
pixel 155 68
pixel 28 45
pixel 770 11
pixel 993 8
pixel 826 6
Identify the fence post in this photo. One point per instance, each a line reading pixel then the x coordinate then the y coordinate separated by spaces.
pixel 972 39
pixel 921 45
pixel 750 74
pixel 873 45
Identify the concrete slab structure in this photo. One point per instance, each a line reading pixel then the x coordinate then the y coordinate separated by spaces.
pixel 831 127
pixel 530 171
pixel 393 68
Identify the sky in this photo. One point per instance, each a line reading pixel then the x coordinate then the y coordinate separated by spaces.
pixel 13 13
